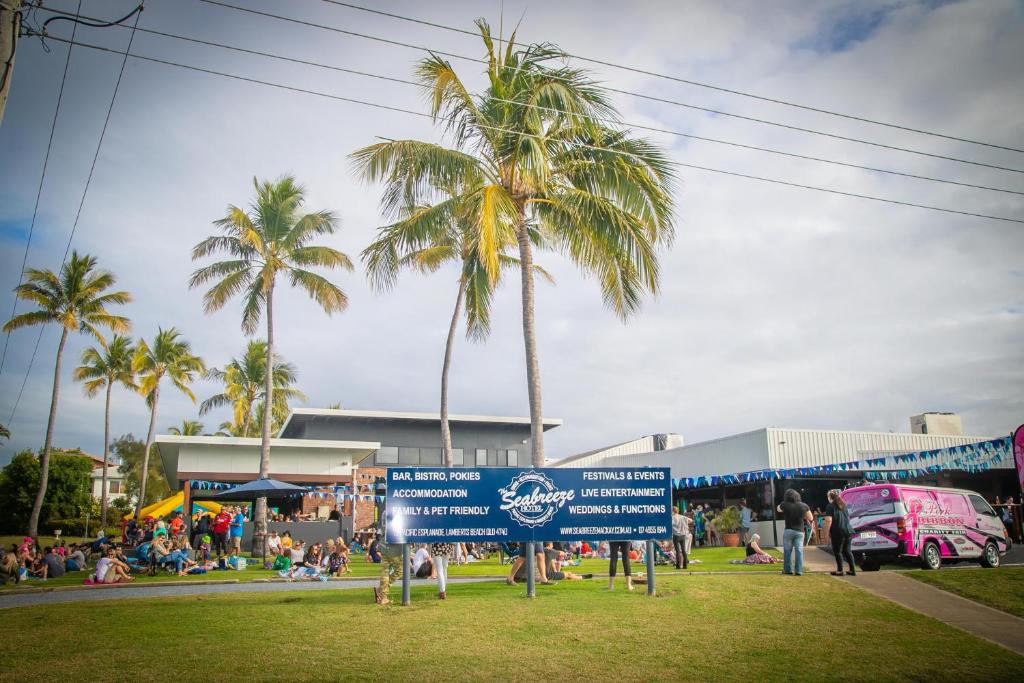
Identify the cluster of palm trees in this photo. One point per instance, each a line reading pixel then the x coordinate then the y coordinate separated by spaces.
pixel 536 162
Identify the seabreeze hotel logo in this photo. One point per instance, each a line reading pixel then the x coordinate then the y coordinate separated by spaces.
pixel 532 499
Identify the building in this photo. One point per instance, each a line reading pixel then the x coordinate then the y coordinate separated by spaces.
pixel 790 451
pixel 115 480
pixel 328 448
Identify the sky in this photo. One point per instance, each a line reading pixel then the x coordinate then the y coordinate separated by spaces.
pixel 778 306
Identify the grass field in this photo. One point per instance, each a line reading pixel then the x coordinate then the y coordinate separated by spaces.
pixel 700 627
pixel 711 559
pixel 1001 588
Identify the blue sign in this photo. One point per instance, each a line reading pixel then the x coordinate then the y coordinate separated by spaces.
pixel 432 504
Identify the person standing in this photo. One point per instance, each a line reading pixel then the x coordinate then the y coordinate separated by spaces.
pixel 441 553
pixel 221 526
pixel 680 538
pixel 839 529
pixel 617 547
pixel 746 519
pixel 795 513
pixel 200 528
pixel 237 529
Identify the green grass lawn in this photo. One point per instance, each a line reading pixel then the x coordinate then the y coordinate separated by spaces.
pixel 702 627
pixel 711 559
pixel 1001 588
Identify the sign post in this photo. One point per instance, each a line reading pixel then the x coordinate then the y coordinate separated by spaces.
pixel 406 579
pixel 650 567
pixel 531 579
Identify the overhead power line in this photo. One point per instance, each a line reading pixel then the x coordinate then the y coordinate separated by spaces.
pixel 731 91
pixel 630 93
pixel 388 107
pixel 677 133
pixel 85 193
pixel 39 190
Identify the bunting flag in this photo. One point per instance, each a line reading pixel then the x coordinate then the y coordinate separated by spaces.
pixel 972 458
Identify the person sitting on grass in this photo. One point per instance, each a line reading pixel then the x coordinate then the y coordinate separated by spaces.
pixel 109 569
pixel 77 560
pixel 299 554
pixel 286 540
pixel 274 544
pixel 283 562
pixel 555 569
pixel 54 564
pixel 755 555
pixel 37 566
pixel 314 557
pixel 10 568
pixel 336 563
pixel 422 566
pixel 373 551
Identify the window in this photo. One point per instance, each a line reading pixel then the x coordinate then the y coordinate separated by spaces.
pixel 408 456
pixel 457 457
pixel 502 458
pixel 430 456
pixel 861 503
pixel 513 458
pixel 113 486
pixel 387 455
pixel 481 457
pixel 981 506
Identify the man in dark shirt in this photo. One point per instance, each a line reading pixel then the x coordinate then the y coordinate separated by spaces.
pixel 795 513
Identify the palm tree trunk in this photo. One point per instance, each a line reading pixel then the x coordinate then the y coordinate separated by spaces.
pixel 44 464
pixel 530 341
pixel 106 454
pixel 446 432
pixel 260 512
pixel 144 474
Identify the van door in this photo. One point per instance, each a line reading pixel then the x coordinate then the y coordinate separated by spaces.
pixel 988 521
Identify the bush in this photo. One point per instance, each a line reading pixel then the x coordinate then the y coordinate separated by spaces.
pixel 728 521
pixel 75 526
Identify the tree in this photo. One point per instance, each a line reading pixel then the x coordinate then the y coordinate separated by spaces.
pixel 131 453
pixel 272 239
pixel 4 432
pixel 102 368
pixel 542 139
pixel 187 428
pixel 245 386
pixel 171 357
pixel 77 301
pixel 429 237
pixel 67 496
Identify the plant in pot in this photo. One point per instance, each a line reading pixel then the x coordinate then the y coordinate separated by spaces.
pixel 727 523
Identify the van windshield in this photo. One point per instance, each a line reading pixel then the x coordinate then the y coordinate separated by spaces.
pixel 869 502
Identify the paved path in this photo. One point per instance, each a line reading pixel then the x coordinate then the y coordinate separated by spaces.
pixel 985 622
pixel 157 591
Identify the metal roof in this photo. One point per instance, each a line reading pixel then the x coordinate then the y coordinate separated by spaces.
pixel 549 422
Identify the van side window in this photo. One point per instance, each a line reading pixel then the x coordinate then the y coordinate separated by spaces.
pixel 981 506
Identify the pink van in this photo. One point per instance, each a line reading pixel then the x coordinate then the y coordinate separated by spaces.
pixel 931 525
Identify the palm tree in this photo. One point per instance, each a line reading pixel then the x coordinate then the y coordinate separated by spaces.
pixel 4 432
pixel 102 368
pixel 77 301
pixel 169 356
pixel 187 428
pixel 244 382
pixel 427 238
pixel 272 239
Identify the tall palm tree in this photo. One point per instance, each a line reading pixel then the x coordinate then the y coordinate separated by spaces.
pixel 272 238
pixel 187 428
pixel 102 368
pixel 427 238
pixel 244 382
pixel 171 357
pixel 77 301
pixel 542 138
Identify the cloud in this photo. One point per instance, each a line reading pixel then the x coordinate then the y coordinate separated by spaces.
pixel 778 306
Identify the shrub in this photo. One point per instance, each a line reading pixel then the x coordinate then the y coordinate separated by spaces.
pixel 728 521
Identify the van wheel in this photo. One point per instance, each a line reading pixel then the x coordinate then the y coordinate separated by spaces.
pixel 931 558
pixel 990 556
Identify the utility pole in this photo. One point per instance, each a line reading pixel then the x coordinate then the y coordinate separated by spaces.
pixel 10 24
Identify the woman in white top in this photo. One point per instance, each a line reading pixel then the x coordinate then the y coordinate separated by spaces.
pixel 274 544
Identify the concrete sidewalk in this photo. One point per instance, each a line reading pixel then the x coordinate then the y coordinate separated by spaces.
pixel 974 618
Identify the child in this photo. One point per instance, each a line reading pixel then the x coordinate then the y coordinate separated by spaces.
pixel 335 563
pixel 283 562
pixel 203 550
